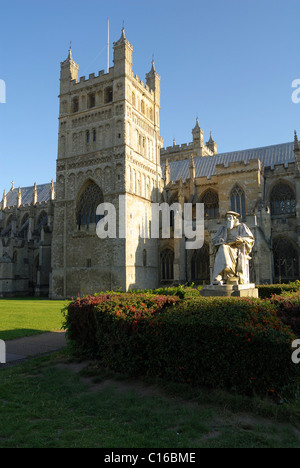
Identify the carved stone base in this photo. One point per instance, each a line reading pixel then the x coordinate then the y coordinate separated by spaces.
pixel 228 290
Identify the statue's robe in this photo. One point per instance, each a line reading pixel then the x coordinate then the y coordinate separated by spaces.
pixel 231 258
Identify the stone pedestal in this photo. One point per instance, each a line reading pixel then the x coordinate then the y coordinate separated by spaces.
pixel 230 290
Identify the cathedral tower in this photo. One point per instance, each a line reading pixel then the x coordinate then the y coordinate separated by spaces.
pixel 108 145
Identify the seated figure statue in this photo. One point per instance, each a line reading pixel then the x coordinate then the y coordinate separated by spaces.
pixel 232 244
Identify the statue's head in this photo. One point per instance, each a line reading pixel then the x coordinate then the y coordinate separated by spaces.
pixel 232 219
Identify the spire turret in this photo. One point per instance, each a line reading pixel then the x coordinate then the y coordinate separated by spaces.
pixel 52 191
pixel 4 201
pixel 19 198
pixel 198 135
pixel 296 143
pixel 34 195
pixel 212 145
pixel 123 51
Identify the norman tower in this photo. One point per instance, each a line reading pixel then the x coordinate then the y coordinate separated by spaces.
pixel 108 145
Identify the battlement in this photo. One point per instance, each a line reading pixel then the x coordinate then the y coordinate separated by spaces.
pixel 143 84
pixel 176 148
pixel 253 164
pixel 279 168
pixel 93 79
pixel 104 77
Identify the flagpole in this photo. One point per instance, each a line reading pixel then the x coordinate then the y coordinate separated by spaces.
pixel 107 45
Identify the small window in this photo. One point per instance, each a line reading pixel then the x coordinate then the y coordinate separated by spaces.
pixel 94 135
pixel 238 203
pixel 75 105
pixel 108 96
pixel 91 100
pixel 89 263
pixel 87 137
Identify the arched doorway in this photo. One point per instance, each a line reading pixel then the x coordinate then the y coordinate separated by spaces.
pixel 286 260
pixel 200 268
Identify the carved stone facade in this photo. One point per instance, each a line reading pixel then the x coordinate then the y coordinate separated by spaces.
pixel 109 145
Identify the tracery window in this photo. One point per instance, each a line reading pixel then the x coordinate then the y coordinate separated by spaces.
pixel 211 204
pixel 283 200
pixel 167 264
pixel 87 205
pixel 286 260
pixel 200 271
pixel 238 203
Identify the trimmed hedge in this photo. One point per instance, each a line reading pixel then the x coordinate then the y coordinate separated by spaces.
pixel 266 291
pixel 237 344
pixel 288 309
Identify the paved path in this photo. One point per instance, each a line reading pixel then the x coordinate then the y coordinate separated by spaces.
pixel 21 348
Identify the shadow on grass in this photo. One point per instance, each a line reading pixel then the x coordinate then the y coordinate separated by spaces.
pixel 14 334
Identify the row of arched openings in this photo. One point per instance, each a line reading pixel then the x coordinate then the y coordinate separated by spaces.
pixel 282 201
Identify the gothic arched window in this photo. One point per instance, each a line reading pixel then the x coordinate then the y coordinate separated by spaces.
pixel 87 205
pixel 200 265
pixel 211 204
pixel 283 200
pixel 238 203
pixel 167 264
pixel 286 260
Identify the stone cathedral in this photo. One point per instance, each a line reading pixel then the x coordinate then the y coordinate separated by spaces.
pixel 109 144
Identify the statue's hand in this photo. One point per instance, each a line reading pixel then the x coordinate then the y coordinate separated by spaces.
pixel 239 240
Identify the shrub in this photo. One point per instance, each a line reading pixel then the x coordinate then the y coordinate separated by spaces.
pixel 288 309
pixel 181 291
pixel 238 344
pixel 80 316
pixel 266 291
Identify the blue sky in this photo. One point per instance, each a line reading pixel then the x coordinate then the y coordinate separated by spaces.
pixel 231 63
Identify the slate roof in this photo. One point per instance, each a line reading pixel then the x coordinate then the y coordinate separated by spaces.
pixel 43 192
pixel 269 156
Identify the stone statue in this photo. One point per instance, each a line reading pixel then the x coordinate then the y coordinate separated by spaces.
pixel 232 244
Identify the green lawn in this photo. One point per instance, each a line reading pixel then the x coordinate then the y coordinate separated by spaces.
pixel 25 317
pixel 45 402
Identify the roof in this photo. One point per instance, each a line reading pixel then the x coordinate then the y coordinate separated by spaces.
pixel 43 194
pixel 269 156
